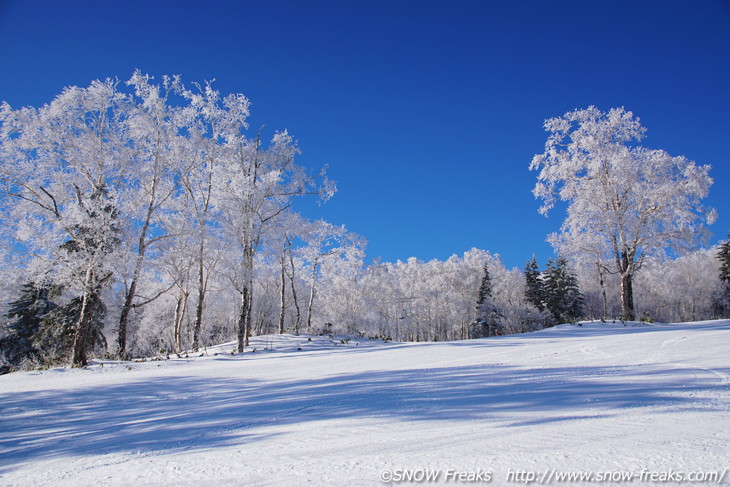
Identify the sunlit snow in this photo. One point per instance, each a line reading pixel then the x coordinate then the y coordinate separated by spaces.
pixel 597 397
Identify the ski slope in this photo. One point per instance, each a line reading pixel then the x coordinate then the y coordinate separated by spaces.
pixel 587 399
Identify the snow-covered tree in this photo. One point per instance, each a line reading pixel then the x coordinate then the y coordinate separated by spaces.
pixel 152 134
pixel 325 243
pixel 682 289
pixel 257 186
pixel 625 202
pixel 339 296
pixel 64 166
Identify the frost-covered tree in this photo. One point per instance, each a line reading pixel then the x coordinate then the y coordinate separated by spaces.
pixel 340 297
pixel 324 243
pixel 199 231
pixel 681 289
pixel 281 256
pixel 257 185
pixel 630 202
pixel 152 132
pixel 63 169
pixel 291 275
pixel 601 290
pixel 125 194
pixel 94 237
pixel 177 263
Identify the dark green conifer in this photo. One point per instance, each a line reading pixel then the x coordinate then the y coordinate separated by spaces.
pixel 534 291
pixel 26 314
pixel 55 337
pixel 562 294
pixel 485 289
pixel 488 313
pixel 722 299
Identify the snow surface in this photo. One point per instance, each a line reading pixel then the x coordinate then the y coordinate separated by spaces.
pixel 591 398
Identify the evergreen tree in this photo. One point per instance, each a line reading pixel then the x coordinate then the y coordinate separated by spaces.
pixel 724 256
pixel 57 334
pixel 485 289
pixel 534 291
pixel 722 301
pixel 488 313
pixel 562 295
pixel 26 314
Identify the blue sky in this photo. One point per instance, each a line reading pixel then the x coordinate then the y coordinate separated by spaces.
pixel 427 113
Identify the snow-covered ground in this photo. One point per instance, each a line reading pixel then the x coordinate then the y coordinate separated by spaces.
pixel 597 399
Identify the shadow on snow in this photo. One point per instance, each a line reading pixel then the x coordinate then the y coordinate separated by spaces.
pixel 190 413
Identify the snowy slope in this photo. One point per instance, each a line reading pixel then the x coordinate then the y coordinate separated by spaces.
pixel 593 398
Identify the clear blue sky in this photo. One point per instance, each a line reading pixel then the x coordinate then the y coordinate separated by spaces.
pixel 427 112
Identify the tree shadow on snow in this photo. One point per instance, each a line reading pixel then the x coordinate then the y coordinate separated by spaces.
pixel 190 413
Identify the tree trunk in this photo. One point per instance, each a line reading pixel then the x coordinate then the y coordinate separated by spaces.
pixel 603 292
pixel 249 315
pixel 131 292
pixel 243 319
pixel 627 297
pixel 198 320
pixel 180 308
pixel 124 318
pixel 201 298
pixel 79 345
pixel 310 305
pixel 282 303
pixel 299 311
pixel 82 324
pixel 298 321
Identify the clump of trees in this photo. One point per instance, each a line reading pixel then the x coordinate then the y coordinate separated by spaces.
pixel 626 203
pixel 144 218
pixel 551 297
pixel 136 190
pixel 554 291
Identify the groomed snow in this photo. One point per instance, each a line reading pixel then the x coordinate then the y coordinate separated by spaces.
pixel 592 398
